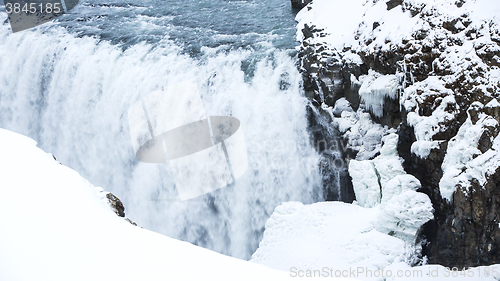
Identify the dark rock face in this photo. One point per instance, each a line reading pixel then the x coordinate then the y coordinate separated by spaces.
pixel 465 231
pixel 299 4
pixel 468 233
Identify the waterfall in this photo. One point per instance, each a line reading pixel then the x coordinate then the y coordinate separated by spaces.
pixel 71 94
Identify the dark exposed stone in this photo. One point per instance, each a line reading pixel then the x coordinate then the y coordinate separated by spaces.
pixel 307 32
pixel 337 184
pixel 116 205
pixel 299 4
pixel 468 234
pixel 391 4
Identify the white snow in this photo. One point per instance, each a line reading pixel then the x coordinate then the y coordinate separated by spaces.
pixel 493 103
pixel 349 23
pixel 365 183
pixel 341 105
pixel 340 27
pixel 333 234
pixel 398 185
pixel 54 225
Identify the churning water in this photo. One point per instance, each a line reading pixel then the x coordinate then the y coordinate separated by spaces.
pixel 68 84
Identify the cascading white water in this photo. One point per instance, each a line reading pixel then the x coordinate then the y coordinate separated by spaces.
pixel 72 96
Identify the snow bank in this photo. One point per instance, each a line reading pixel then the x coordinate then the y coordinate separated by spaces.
pixel 332 234
pixel 54 225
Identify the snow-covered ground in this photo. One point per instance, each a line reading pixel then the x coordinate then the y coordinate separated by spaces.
pixel 55 225
pixel 335 239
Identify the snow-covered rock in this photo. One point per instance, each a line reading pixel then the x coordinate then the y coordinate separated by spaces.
pixel 404 214
pixel 464 161
pixel 375 89
pixel 361 132
pixel 365 183
pixel 383 181
pixel 378 180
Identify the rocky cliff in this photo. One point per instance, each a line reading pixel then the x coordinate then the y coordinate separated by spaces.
pixel 429 71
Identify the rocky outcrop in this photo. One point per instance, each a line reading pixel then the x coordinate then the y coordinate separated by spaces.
pixel 117 206
pixel 445 110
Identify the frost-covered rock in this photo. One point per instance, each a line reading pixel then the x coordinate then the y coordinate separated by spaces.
pixel 404 214
pixel 378 180
pixel 365 182
pixel 427 122
pixel 398 185
pixel 362 134
pixel 383 181
pixel 375 89
pixel 464 161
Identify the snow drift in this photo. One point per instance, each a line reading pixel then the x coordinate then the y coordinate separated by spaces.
pixel 54 225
